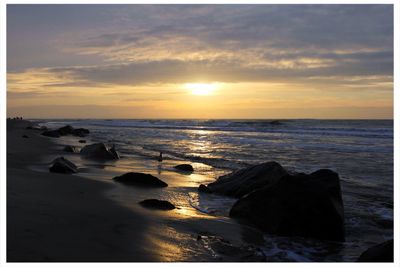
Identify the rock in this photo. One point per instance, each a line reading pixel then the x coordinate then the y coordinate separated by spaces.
pixel 184 167
pixel 114 152
pixel 25 136
pixel 140 179
pixel 82 141
pixel 62 165
pixel 71 149
pixel 68 129
pixel 380 253
pixel 276 122
pixel 297 205
pixel 244 181
pixel 81 132
pixel 98 151
pixel 157 204
pixel 53 133
pixel 204 189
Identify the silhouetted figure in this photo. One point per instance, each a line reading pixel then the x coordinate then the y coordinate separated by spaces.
pixel 160 157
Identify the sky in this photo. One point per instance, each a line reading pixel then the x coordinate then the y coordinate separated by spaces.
pixel 200 61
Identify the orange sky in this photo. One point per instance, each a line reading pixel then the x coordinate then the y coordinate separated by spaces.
pixel 215 61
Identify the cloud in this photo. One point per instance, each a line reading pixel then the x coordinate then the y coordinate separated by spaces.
pixel 296 68
pixel 131 53
pixel 236 32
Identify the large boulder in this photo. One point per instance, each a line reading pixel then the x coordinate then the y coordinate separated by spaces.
pixel 99 151
pixel 380 253
pixel 184 167
pixel 140 179
pixel 296 205
pixel 244 181
pixel 157 204
pixel 62 165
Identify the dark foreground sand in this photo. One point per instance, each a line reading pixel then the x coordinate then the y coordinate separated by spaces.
pixel 60 217
pixel 55 217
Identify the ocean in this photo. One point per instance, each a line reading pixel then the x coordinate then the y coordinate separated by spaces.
pixel 360 151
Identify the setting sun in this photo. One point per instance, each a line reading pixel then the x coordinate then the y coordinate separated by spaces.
pixel 201 88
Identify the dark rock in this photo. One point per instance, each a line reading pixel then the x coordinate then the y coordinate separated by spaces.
pixel 297 205
pixel 140 179
pixel 81 132
pixel 82 141
pixel 114 152
pixel 99 151
pixel 244 181
pixel 53 133
pixel 25 136
pixel 71 149
pixel 68 129
pixel 157 204
pixel 62 165
pixel 184 167
pixel 380 253
pixel 276 122
pixel 204 189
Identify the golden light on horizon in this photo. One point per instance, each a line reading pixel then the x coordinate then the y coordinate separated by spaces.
pixel 201 88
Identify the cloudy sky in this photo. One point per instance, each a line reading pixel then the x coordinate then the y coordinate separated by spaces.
pixel 200 61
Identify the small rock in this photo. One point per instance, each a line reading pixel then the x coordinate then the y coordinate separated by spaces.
pixel 82 141
pixel 99 151
pixel 68 129
pixel 81 132
pixel 275 122
pixel 62 165
pixel 157 204
pixel 184 167
pixel 140 179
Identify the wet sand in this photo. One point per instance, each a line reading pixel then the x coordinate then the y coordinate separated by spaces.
pixel 58 217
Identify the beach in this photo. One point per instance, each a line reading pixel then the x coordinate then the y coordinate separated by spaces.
pixel 88 217
pixel 54 217
pixel 57 217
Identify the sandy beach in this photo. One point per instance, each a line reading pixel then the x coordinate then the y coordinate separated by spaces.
pixel 60 217
pixel 56 217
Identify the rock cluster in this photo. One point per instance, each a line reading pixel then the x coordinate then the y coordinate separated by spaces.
pixel 283 203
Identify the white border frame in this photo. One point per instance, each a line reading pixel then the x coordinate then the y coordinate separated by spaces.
pixel 3 113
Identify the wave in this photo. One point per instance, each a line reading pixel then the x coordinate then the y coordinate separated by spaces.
pixel 367 129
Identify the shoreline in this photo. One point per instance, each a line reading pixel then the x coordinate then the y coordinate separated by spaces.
pixel 56 217
pixel 78 218
pixel 127 232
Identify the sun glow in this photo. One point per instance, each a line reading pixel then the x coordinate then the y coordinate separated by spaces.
pixel 201 88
